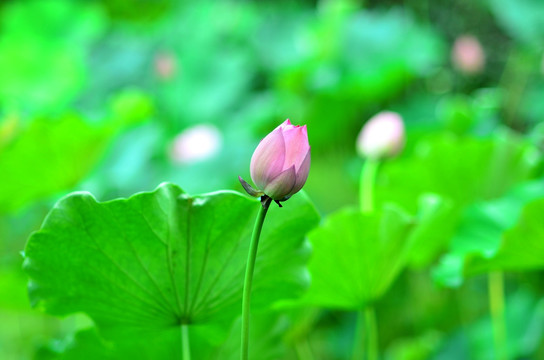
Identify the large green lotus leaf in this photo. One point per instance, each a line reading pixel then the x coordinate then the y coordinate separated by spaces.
pixel 522 247
pixel 357 256
pixel 141 267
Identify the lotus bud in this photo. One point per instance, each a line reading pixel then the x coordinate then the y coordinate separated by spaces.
pixel 280 164
pixel 195 144
pixel 468 54
pixel 382 136
pixel 165 65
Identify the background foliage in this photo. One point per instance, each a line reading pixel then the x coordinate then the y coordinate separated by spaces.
pixel 99 95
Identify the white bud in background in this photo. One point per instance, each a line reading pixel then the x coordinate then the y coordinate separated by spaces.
pixel 196 143
pixel 382 136
pixel 468 55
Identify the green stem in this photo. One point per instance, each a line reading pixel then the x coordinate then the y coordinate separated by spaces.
pixel 366 319
pixel 185 342
pixel 303 350
pixel 366 188
pixel 365 344
pixel 251 257
pixel 358 341
pixel 496 305
pixel 371 333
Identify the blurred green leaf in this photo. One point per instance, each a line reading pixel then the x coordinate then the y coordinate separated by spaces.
pixel 141 267
pixel 482 227
pixel 130 165
pixel 522 247
pixel 461 170
pixel 522 19
pixel 46 157
pixel 435 216
pixel 417 348
pixel 356 257
pixel 84 344
pixel 12 293
pixel 464 169
pixel 131 107
pixel 524 317
pixel 43 61
pixel 483 223
pixel 457 113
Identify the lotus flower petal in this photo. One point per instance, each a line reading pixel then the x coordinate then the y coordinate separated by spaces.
pixel 296 146
pixel 268 159
pixel 280 164
pixel 302 174
pixel 382 136
pixel 282 185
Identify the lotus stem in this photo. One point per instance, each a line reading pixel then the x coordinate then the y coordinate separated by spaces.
pixel 186 350
pixel 366 333
pixel 365 344
pixel 250 267
pixel 371 333
pixel 366 188
pixel 496 306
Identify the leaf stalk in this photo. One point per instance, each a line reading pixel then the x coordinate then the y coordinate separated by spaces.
pixel 186 351
pixel 496 305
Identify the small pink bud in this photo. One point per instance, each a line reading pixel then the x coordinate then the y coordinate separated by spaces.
pixel 280 164
pixel 165 65
pixel 381 136
pixel 468 55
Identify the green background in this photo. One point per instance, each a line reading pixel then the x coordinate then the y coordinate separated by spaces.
pixel 93 97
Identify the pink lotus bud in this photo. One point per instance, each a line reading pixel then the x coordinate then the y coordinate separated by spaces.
pixel 382 136
pixel 468 55
pixel 165 65
pixel 280 164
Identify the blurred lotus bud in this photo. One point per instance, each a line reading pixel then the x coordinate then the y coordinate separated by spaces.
pixel 382 136
pixel 280 164
pixel 197 143
pixel 468 55
pixel 165 65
